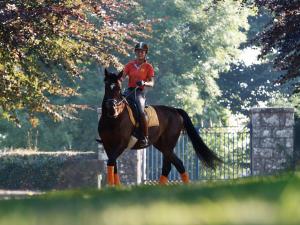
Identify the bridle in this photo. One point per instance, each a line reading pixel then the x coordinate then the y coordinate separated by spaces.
pixel 117 104
pixel 124 98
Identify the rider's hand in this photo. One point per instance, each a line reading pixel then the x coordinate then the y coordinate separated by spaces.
pixel 140 83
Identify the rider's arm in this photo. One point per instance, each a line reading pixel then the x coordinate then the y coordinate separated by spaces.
pixel 123 76
pixel 150 82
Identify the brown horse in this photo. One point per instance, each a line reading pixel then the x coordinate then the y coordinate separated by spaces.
pixel 115 129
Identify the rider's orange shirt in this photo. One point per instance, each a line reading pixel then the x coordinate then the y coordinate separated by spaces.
pixel 136 73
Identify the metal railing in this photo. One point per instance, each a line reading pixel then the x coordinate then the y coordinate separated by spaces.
pixel 231 144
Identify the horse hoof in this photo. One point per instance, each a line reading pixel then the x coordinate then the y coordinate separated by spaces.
pixel 185 178
pixel 117 181
pixel 163 180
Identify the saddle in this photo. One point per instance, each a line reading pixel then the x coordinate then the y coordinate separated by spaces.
pixel 150 113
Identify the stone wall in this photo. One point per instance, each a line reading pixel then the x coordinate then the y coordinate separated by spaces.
pixel 272 139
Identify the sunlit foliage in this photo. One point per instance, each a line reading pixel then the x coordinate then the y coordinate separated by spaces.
pixel 43 44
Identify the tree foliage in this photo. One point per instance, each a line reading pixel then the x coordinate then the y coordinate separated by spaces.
pixel 196 41
pixel 248 86
pixel 44 45
pixel 75 134
pixel 193 43
pixel 282 34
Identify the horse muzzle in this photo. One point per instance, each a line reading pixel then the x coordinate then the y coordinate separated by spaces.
pixel 112 107
pixel 112 112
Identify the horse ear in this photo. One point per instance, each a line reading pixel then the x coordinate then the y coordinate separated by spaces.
pixel 105 72
pixel 120 74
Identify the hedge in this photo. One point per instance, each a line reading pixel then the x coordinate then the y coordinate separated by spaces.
pixel 23 169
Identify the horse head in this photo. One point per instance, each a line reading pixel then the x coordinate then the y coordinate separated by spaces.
pixel 113 96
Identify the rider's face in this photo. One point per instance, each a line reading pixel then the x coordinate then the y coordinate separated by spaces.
pixel 140 54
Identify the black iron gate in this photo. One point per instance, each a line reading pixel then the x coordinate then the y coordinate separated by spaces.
pixel 231 144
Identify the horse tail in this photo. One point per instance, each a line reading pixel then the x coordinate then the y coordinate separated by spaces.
pixel 206 155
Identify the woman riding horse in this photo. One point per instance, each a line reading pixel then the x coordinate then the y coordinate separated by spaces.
pixel 115 129
pixel 141 75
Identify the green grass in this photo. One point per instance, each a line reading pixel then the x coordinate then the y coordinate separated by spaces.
pixel 258 200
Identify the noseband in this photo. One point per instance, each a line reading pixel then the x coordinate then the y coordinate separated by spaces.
pixel 117 105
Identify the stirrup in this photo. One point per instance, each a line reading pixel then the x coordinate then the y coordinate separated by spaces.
pixel 144 141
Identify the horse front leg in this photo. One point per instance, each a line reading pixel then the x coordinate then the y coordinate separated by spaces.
pixel 113 178
pixel 117 181
pixel 111 171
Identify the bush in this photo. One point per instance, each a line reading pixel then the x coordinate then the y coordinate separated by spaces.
pixel 23 169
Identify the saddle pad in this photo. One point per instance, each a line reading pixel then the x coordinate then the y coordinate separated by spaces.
pixel 151 114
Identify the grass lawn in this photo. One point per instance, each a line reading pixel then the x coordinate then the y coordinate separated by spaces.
pixel 256 200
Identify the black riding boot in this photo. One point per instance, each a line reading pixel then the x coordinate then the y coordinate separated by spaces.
pixel 144 128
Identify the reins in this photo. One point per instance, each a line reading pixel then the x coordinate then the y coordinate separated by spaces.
pixel 117 104
pixel 124 98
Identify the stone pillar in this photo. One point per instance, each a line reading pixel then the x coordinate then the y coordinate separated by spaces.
pixel 101 153
pixel 102 157
pixel 130 166
pixel 272 139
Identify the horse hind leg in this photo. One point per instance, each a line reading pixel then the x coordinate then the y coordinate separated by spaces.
pixel 180 167
pixel 166 168
pixel 166 143
pixel 170 157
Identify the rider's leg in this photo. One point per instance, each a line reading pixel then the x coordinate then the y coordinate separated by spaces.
pixel 131 99
pixel 144 128
pixel 140 101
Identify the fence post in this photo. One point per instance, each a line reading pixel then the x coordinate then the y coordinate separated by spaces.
pixel 272 139
pixel 102 157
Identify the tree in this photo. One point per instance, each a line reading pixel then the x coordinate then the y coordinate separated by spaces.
pixel 282 35
pixel 44 45
pixel 192 44
pixel 75 134
pixel 196 41
pixel 247 86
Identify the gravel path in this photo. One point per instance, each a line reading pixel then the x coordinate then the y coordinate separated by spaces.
pixel 17 194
